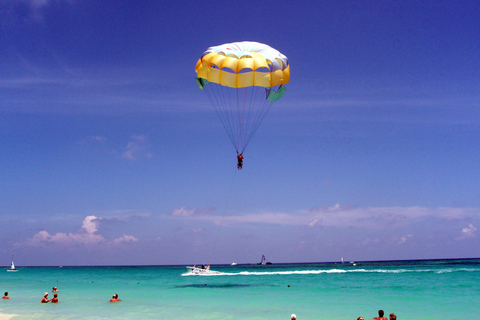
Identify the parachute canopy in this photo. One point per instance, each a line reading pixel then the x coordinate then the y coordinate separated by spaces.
pixel 244 64
pixel 242 79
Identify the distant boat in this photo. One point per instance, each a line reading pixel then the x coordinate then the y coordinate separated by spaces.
pixel 233 264
pixel 201 270
pixel 12 267
pixel 263 261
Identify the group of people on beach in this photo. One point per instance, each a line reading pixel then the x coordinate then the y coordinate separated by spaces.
pixel 53 300
pixel 381 314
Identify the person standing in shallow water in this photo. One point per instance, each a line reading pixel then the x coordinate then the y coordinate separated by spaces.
pixel 5 296
pixel 393 316
pixel 45 298
pixel 54 299
pixel 115 298
pixel 380 315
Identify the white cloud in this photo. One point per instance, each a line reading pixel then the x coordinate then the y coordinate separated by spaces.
pixel 190 212
pixel 270 218
pixel 348 216
pixel 41 236
pixel 404 239
pixel 88 236
pixel 89 224
pixel 80 238
pixel 368 219
pixel 369 241
pixel 121 215
pixel 343 216
pixel 125 238
pixel 183 212
pixel 137 148
pixel 313 223
pixel 468 232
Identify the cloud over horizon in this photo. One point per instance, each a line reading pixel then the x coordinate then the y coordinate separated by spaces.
pixel 342 216
pixel 88 236
pixel 468 232
pixel 190 212
pixel 370 220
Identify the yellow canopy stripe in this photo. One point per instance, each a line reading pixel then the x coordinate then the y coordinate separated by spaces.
pixel 244 64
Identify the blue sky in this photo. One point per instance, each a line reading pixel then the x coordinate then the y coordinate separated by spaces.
pixel 110 154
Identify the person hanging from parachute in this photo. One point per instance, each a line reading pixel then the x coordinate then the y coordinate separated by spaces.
pixel 242 80
pixel 240 161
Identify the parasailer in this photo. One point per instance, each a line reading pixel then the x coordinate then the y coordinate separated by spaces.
pixel 242 80
pixel 240 161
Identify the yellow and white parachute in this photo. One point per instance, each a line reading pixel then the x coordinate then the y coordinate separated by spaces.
pixel 241 80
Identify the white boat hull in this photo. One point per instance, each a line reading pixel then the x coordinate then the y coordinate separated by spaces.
pixel 201 271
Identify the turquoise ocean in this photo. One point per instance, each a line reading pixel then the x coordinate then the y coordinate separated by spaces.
pixel 427 289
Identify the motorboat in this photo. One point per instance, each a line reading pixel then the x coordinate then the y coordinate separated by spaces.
pixel 203 270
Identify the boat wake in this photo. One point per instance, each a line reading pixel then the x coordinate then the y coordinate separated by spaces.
pixel 333 271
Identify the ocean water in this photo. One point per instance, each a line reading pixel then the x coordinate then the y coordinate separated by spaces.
pixel 427 290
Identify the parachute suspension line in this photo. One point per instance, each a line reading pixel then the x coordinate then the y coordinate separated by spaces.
pixel 240 110
pixel 256 114
pixel 245 112
pixel 261 115
pixel 251 113
pixel 255 111
pixel 230 114
pixel 218 98
pixel 241 97
pixel 223 216
pixel 228 122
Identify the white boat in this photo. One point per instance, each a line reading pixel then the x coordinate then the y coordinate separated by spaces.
pixel 12 267
pixel 233 264
pixel 203 270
